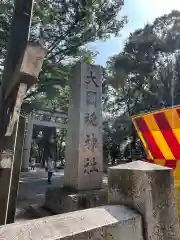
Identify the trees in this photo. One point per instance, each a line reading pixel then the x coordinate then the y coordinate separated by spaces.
pixel 65 27
pixel 142 73
pixel 145 75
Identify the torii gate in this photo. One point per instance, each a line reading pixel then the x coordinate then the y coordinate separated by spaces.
pixel 36 118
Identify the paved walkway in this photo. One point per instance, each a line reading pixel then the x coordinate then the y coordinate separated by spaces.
pixel 34 183
pixel 32 188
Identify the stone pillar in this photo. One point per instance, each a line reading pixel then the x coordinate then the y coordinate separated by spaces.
pixel 83 168
pixel 149 189
pixel 27 144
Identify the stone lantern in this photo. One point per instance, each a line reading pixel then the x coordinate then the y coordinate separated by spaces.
pixel 29 66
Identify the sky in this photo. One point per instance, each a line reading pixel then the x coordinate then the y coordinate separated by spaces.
pixel 139 12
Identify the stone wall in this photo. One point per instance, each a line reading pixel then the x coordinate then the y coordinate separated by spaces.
pixel 61 200
pixel 146 188
pixel 177 193
pixel 108 222
pixel 149 189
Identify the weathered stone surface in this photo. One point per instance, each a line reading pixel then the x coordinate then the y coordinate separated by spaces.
pixel 84 165
pixel 62 200
pixel 38 211
pixel 149 189
pixel 29 66
pixel 27 144
pixel 32 60
pixel 109 222
pixel 177 194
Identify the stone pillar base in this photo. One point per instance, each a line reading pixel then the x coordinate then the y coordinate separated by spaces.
pixel 62 200
pixel 148 189
pixel 24 170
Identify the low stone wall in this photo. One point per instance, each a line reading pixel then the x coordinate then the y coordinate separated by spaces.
pixel 146 188
pixel 177 194
pixel 108 222
pixel 149 189
pixel 61 200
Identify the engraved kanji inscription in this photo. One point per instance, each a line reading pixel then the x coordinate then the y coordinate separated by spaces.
pixel 91 78
pixel 91 119
pixel 91 98
pixel 94 165
pixel 90 166
pixel 91 142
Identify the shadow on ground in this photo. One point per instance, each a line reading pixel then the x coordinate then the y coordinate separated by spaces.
pixel 32 188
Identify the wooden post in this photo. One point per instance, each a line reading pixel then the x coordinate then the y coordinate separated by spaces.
pixel 16 170
pixel 33 56
pixel 22 66
pixel 20 26
pixel 5 174
pixel 19 35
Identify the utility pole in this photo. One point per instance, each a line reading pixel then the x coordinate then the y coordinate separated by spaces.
pixel 22 66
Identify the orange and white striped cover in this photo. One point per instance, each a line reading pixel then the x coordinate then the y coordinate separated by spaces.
pixel 160 134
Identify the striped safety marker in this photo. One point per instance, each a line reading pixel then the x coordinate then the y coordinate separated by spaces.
pixel 160 134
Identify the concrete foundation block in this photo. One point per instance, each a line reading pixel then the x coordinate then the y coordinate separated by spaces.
pixel 149 189
pixel 177 194
pixel 38 211
pixel 24 169
pixel 62 200
pixel 102 223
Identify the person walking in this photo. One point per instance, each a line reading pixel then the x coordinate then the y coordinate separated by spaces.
pixel 33 164
pixel 50 169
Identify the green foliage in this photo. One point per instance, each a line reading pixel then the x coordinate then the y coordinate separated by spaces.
pixel 142 74
pixel 146 75
pixel 66 26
